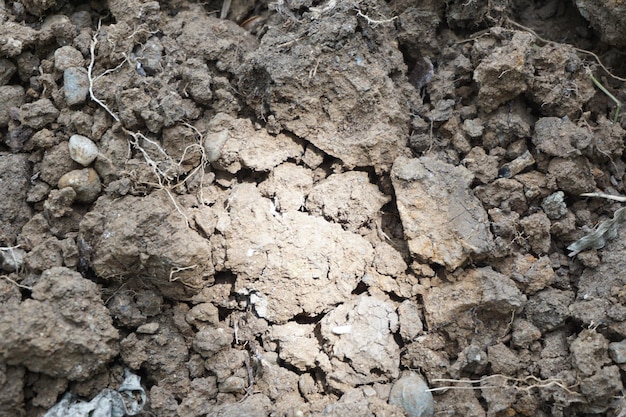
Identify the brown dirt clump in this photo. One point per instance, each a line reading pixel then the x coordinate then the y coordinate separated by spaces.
pixel 305 208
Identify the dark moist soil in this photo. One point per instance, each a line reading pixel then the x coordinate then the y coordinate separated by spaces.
pixel 295 205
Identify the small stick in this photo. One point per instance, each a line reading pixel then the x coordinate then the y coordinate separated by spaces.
pixel 607 196
pixel 618 105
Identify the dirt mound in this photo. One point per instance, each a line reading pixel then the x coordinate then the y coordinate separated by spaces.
pixel 304 208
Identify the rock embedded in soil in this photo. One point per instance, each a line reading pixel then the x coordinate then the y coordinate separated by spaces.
pixel 410 392
pixel 347 198
pixel 481 288
pixel 75 86
pixel 299 254
pixel 359 341
pixel 504 74
pixel 147 237
pixel 85 182
pixel 345 105
pixel 233 144
pixel 443 222
pixel 64 331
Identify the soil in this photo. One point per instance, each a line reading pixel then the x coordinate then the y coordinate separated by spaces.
pixel 308 208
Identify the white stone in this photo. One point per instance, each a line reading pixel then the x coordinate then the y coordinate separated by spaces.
pixel 83 150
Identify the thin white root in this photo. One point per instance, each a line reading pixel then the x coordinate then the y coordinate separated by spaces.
pixel 607 196
pixel 521 384
pixel 166 181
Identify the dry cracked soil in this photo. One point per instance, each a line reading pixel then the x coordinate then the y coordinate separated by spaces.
pixel 300 208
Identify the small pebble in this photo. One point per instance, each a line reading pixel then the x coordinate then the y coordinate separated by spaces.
pixel 82 150
pixel 517 165
pixel 617 350
pixel 75 85
pixel 233 384
pixel 554 205
pixel 148 328
pixel 410 393
pixel 85 182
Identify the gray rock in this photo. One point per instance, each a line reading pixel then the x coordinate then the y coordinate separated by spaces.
pixel 75 85
pixel 410 392
pixel 554 205
pixel 10 96
pixel 617 350
pixel 443 222
pixel 548 309
pixel 151 56
pixel 12 259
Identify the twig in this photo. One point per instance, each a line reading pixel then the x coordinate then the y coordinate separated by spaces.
pixel 225 9
pixel 92 61
pixel 179 269
pixel 26 287
pixel 374 22
pixel 618 104
pixel 607 196
pixel 183 268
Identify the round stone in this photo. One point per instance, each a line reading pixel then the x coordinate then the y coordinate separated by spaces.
pixel 83 150
pixel 85 183
pixel 411 393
